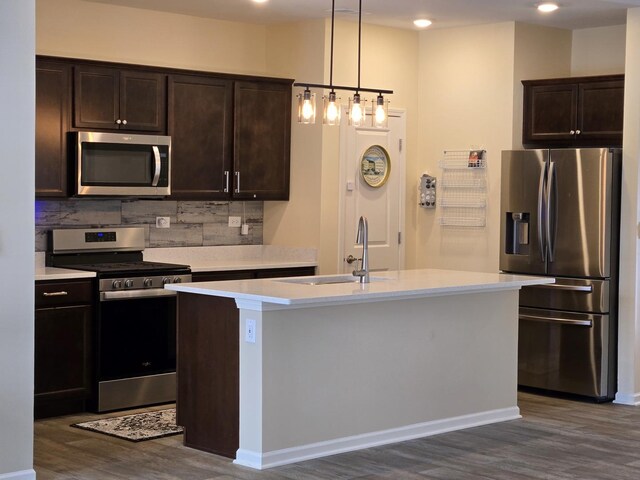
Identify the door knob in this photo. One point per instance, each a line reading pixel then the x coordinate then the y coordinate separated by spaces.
pixel 350 259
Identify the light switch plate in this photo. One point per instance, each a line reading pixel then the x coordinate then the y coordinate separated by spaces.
pixel 235 221
pixel 250 331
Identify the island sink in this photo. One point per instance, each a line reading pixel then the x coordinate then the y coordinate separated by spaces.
pixel 327 280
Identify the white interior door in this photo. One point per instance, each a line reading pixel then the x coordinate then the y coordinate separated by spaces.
pixel 382 206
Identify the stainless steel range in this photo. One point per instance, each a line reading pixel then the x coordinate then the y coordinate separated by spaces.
pixel 135 323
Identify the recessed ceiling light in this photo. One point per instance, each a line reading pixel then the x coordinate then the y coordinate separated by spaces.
pixel 547 7
pixel 422 23
pixel 260 1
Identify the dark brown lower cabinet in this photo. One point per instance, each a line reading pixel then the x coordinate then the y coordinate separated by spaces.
pixel 208 372
pixel 63 320
pixel 207 403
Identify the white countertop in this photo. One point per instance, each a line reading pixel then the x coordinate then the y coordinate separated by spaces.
pixel 203 259
pixel 383 286
pixel 53 273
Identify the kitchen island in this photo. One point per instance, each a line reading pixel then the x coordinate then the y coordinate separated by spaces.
pixel 277 371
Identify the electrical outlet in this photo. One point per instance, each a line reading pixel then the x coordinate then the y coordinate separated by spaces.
pixel 235 222
pixel 163 222
pixel 250 331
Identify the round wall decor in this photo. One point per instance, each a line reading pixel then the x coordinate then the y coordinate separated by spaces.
pixel 375 166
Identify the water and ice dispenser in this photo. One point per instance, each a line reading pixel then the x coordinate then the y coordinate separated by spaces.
pixel 517 233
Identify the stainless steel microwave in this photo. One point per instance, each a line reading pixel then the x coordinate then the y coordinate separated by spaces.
pixel 120 164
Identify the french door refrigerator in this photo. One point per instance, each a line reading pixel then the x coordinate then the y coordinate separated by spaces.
pixel 560 216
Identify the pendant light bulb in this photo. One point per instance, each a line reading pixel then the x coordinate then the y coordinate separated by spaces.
pixel 331 114
pixel 356 110
pixel 307 107
pixel 381 114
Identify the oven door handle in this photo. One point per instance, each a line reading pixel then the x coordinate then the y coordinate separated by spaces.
pixel 134 294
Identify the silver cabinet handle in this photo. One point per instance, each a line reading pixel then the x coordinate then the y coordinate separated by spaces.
pixel 118 121
pixel 572 132
pixel 226 181
pixel 237 182
pixel 158 165
pixel 124 122
pixel 569 288
pixel 61 293
pixel 565 321
pixel 577 132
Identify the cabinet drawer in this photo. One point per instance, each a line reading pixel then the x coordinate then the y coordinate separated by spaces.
pixel 55 294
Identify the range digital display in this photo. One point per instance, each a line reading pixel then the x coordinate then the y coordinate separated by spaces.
pixel 93 237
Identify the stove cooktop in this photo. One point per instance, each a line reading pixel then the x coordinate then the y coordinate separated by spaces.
pixel 131 268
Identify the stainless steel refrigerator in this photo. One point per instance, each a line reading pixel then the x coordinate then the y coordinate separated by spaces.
pixel 560 216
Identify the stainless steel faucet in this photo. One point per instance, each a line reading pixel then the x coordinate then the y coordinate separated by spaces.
pixel 363 238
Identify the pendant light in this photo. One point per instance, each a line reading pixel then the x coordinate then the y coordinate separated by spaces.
pixel 331 105
pixel 331 110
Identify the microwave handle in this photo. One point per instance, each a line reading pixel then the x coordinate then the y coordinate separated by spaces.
pixel 158 166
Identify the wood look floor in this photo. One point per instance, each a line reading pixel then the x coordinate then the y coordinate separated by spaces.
pixel 555 439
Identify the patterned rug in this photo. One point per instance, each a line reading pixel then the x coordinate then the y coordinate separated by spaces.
pixel 137 427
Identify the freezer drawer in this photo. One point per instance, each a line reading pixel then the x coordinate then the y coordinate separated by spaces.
pixel 566 352
pixel 576 295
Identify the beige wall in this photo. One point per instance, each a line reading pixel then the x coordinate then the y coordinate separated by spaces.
pixel 629 327
pixel 466 100
pixel 471 97
pixel 17 46
pixel 79 29
pixel 598 51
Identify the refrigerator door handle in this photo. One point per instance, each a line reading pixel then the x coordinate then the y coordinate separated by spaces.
pixel 570 288
pixel 541 198
pixel 550 180
pixel 565 321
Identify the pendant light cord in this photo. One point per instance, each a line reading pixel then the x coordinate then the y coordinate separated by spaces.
pixel 333 15
pixel 359 38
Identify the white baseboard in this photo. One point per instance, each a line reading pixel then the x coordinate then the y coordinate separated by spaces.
pixel 285 456
pixel 632 399
pixel 21 475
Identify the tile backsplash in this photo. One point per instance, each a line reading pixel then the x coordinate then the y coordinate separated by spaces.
pixel 192 223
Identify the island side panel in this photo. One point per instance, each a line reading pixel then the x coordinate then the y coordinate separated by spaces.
pixel 322 374
pixel 207 373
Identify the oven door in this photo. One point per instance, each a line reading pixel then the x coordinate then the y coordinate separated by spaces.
pixel 121 165
pixel 136 352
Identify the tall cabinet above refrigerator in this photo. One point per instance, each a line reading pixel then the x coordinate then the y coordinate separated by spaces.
pixel 560 216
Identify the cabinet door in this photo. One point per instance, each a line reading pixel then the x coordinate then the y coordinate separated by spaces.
pixel 143 101
pixel 262 133
pixel 96 97
pixel 53 100
pixel 601 112
pixel 549 113
pixel 200 122
pixel 62 352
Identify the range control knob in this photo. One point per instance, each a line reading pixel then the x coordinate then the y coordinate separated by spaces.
pixel 177 280
pixel 128 283
pixel 148 282
pixel 166 280
pixel 116 284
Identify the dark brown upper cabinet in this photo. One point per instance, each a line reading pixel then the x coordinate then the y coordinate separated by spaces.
pixel 113 99
pixel 53 100
pixel 200 120
pixel 573 112
pixel 262 136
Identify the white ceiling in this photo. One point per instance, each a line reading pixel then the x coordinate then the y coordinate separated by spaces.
pixel 573 14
